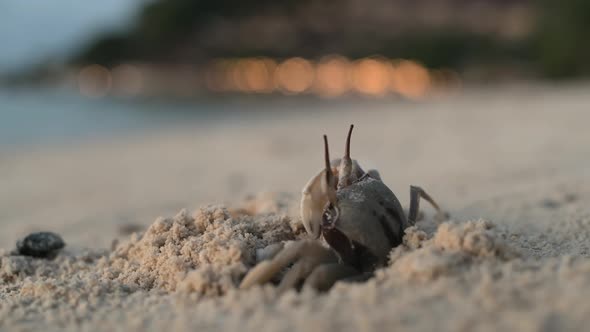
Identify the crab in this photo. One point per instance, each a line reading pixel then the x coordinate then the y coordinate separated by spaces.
pixel 353 221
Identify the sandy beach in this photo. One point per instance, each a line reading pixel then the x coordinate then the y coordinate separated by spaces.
pixel 161 225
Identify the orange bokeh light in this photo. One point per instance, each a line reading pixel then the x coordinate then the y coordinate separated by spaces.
pixel 254 75
pixel 410 79
pixel 333 76
pixel 295 75
pixel 370 76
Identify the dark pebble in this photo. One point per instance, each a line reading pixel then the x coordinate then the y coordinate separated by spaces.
pixel 570 197
pixel 550 203
pixel 40 244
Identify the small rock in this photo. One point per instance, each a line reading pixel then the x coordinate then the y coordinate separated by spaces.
pixel 570 197
pixel 40 244
pixel 550 203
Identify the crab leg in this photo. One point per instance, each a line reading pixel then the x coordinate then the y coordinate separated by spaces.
pixel 313 259
pixel 307 253
pixel 325 276
pixel 415 194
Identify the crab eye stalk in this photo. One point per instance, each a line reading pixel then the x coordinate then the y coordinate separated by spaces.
pixel 346 169
pixel 347 150
pixel 329 186
pixel 329 174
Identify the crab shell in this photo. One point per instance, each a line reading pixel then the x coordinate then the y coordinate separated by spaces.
pixel 371 220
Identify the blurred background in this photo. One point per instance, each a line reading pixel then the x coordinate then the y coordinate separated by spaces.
pixel 319 47
pixel 204 51
pixel 123 110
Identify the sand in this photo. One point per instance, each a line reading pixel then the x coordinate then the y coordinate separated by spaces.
pixel 510 165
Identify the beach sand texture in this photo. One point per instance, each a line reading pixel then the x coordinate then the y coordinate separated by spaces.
pixel 510 165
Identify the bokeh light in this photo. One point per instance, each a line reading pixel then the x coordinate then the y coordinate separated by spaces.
pixel 127 80
pixel 333 76
pixel 94 81
pixel 216 75
pixel 295 75
pixel 371 76
pixel 253 75
pixel 410 79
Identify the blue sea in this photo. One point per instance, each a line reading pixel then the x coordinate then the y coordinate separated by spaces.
pixel 40 117
pixel 33 117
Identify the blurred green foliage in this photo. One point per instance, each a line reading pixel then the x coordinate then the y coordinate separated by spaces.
pixel 558 46
pixel 561 43
pixel 108 50
pixel 163 24
pixel 454 49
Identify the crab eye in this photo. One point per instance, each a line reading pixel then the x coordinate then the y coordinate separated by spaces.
pixel 330 216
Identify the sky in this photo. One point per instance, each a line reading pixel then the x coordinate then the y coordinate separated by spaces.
pixel 33 30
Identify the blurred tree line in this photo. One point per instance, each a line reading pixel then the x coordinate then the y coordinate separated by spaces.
pixel 193 31
pixel 560 44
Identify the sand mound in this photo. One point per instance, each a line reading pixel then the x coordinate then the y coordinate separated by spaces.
pixel 452 248
pixel 204 254
pixel 184 260
pixel 207 252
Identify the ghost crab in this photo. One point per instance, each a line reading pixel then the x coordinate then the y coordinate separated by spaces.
pixel 358 217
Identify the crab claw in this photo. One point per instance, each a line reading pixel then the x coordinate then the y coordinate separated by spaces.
pixel 312 206
pixel 316 195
